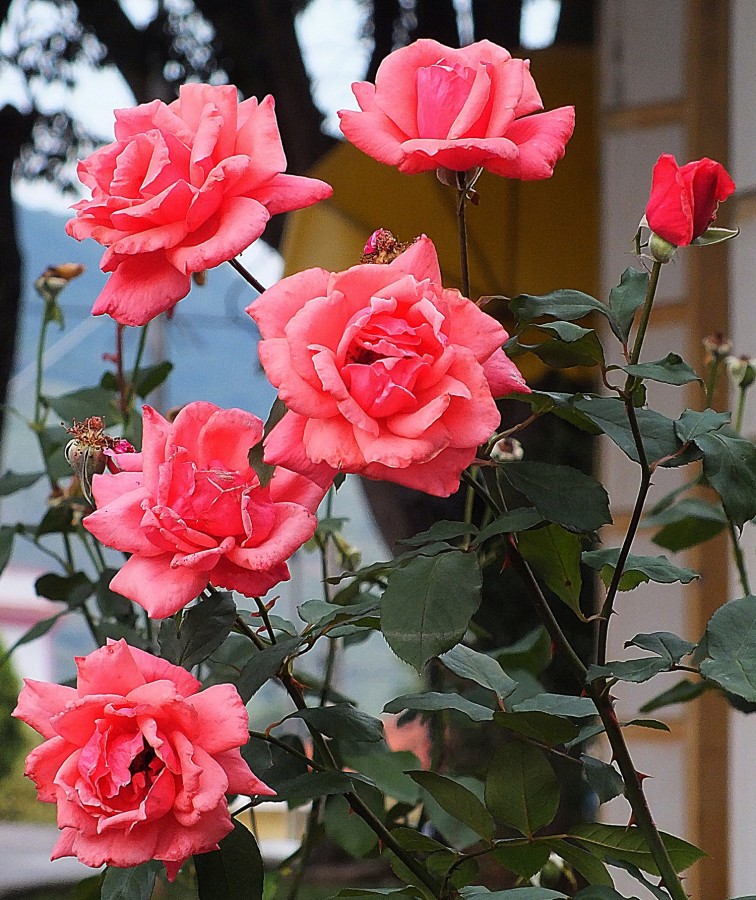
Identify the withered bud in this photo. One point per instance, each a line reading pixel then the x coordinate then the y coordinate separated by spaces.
pixel 742 371
pixel 90 451
pixel 507 449
pixel 200 278
pixel 716 346
pixel 382 247
pixel 52 281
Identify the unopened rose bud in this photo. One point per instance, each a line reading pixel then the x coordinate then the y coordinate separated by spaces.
pixel 382 247
pixel 742 371
pixel 507 449
pixel 52 281
pixel 662 251
pixel 716 346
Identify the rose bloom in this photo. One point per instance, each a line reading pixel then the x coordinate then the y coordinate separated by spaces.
pixel 191 510
pixel 433 106
pixel 184 187
pixel 138 759
pixel 684 199
pixel 384 372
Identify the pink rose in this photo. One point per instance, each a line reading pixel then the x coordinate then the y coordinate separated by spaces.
pixel 191 510
pixel 684 199
pixel 384 372
pixel 435 106
pixel 183 188
pixel 138 759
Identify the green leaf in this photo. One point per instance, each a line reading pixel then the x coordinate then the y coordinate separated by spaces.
pixel 626 298
pixel 638 569
pixel 152 377
pixel 670 647
pixel 346 829
pixel 204 627
pixel 264 665
pixel 657 431
pixel 522 790
pixel 591 868
pixel 670 370
pixel 81 404
pixel 604 780
pixel 234 872
pixel 603 892
pixel 434 700
pixel 472 892
pixel 53 440
pixel 653 724
pixel 57 520
pixel 130 884
pixel 531 653
pixel 441 531
pixel 565 345
pixel 416 841
pixel 507 523
pixel 693 424
pixel 457 800
pixel 558 705
pixel 7 535
pixel 274 765
pixel 525 860
pixel 427 605
pixel 561 405
pixel 561 494
pixel 566 305
pixel 636 873
pixel 311 786
pixel 687 523
pixel 342 721
pixel 730 642
pixel 10 482
pixel 633 670
pixel 263 470
pixel 627 844
pixel 554 554
pixel 387 772
pixel 70 589
pixel 113 605
pixel 683 692
pixel 730 467
pixel 542 727
pixel 716 236
pixel 480 668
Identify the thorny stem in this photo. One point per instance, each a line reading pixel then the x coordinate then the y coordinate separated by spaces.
pixel 247 276
pixel 276 742
pixel 327 761
pixel 462 188
pixel 645 483
pixel 123 402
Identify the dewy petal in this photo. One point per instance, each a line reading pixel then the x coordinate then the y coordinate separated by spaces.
pixel 226 439
pixel 141 288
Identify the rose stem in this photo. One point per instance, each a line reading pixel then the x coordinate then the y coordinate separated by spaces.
pixel 650 292
pixel 358 806
pixel 247 276
pixel 120 377
pixel 462 230
pixel 602 701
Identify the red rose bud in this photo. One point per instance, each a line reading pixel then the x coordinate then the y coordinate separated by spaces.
pixel 684 199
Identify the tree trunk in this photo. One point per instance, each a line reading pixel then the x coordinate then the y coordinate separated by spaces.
pixel 15 128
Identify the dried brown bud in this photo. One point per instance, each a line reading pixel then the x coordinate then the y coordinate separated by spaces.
pixel 716 346
pixel 382 247
pixel 89 450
